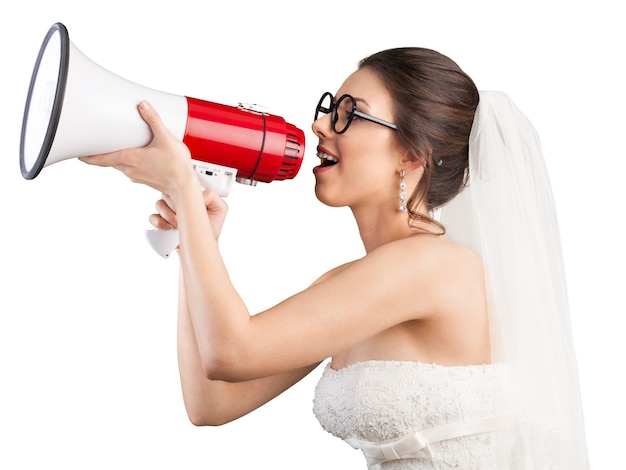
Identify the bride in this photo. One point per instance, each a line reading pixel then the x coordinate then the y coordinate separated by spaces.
pixel 448 344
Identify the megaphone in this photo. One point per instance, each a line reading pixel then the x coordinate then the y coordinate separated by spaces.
pixel 75 107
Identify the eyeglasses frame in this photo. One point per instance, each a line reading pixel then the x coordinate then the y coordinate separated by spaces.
pixel 334 116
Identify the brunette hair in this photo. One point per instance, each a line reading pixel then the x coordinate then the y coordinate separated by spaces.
pixel 434 106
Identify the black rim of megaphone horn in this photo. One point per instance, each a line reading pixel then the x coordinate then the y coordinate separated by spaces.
pixel 57 103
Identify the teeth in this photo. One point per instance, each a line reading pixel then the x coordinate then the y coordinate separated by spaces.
pixel 325 156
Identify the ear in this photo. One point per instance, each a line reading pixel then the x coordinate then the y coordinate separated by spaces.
pixel 410 163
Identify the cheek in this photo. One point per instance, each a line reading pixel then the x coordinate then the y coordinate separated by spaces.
pixel 373 160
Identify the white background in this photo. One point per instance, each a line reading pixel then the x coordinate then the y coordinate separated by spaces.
pixel 87 310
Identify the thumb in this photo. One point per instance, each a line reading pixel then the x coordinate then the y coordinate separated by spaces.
pixel 152 118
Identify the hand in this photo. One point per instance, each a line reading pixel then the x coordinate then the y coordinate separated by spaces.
pixel 164 164
pixel 216 208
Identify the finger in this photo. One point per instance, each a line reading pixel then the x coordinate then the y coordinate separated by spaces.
pixel 152 118
pixel 213 201
pixel 168 200
pixel 113 159
pixel 166 213
pixel 158 222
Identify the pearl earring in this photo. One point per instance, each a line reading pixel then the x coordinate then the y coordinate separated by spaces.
pixel 402 207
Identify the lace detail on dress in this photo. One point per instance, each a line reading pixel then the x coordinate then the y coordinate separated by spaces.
pixel 381 400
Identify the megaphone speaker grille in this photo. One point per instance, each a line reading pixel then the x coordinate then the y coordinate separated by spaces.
pixel 44 101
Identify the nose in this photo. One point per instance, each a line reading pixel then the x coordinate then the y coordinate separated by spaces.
pixel 322 126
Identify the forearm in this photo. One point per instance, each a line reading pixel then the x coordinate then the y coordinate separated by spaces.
pixel 213 402
pixel 207 402
pixel 198 398
pixel 217 313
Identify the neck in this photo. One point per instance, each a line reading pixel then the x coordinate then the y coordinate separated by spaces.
pixel 379 225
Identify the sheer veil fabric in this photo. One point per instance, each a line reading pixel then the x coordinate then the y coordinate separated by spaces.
pixel 506 213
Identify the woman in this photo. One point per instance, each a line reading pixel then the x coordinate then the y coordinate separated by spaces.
pixel 427 369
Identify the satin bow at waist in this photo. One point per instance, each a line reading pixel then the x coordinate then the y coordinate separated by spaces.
pixel 417 445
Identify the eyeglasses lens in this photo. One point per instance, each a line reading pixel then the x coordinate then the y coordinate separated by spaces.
pixel 342 112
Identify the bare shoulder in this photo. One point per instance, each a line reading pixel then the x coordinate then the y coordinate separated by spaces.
pixel 414 277
pixel 420 252
pixel 445 273
pixel 437 253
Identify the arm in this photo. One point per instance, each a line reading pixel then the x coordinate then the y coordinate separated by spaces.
pixel 330 316
pixel 214 402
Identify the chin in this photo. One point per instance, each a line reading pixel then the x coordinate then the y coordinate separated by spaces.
pixel 326 199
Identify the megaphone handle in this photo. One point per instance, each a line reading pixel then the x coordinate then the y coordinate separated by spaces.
pixel 163 241
pixel 216 177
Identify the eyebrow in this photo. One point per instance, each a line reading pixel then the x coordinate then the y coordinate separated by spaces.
pixel 361 100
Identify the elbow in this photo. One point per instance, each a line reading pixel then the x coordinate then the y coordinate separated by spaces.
pixel 202 414
pixel 201 420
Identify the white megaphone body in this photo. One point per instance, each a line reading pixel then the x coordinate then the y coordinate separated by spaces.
pixel 75 108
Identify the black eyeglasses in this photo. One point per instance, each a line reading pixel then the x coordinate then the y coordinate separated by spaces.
pixel 343 111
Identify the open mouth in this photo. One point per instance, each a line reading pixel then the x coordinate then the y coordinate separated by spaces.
pixel 326 160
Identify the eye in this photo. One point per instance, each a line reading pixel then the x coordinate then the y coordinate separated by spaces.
pixel 345 108
pixel 345 114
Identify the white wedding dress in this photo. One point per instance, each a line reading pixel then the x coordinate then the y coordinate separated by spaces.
pixel 445 415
